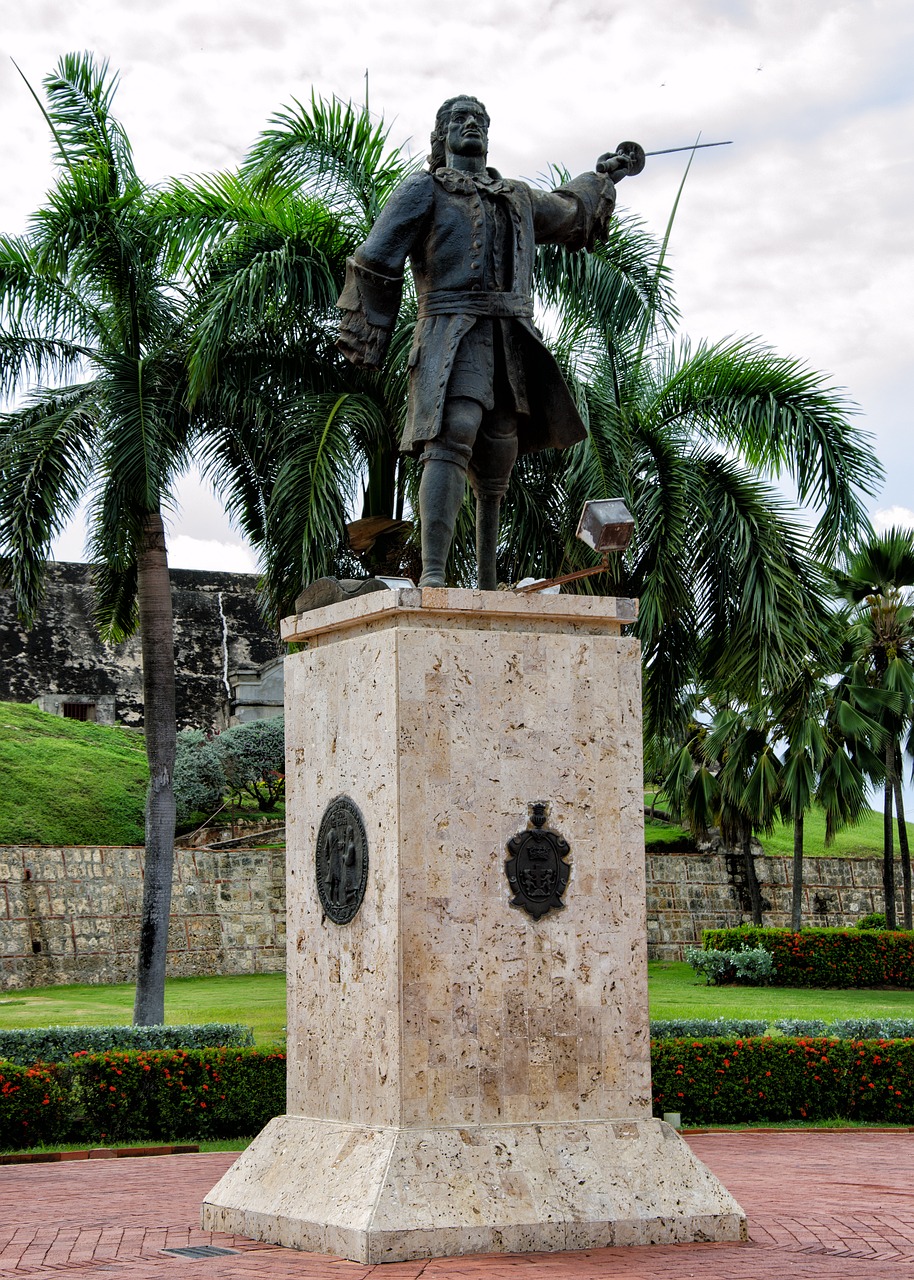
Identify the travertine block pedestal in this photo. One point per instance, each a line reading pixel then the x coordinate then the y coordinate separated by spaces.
pixel 463 1077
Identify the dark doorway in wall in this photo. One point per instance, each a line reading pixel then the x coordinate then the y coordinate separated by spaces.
pixel 78 711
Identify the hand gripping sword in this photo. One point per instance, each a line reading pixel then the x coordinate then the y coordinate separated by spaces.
pixel 628 157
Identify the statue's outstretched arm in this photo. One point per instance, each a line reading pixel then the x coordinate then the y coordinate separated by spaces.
pixel 374 274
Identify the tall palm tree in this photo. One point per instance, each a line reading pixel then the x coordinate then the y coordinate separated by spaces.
pixel 91 340
pixel 876 580
pixel 825 734
pixel 727 773
pixel 732 593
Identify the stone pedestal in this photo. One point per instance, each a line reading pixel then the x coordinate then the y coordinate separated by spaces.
pixel 464 1077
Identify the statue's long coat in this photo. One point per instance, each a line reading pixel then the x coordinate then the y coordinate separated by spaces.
pixel 438 222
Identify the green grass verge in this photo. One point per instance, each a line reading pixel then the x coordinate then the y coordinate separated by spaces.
pixel 676 991
pixel 258 1001
pixel 65 782
pixel 205 1144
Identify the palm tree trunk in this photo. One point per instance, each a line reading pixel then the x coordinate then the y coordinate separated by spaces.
pixel 903 848
pixel 796 903
pixel 752 884
pixel 157 636
pixel 888 852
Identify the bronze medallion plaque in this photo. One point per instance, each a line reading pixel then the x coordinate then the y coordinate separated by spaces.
pixel 341 860
pixel 537 871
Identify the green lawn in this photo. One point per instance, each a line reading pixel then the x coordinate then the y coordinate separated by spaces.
pixel 258 1001
pixel 676 991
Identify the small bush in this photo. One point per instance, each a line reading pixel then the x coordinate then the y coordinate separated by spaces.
pixel 671 1028
pixel 752 966
pixel 208 1093
pixel 199 778
pixel 54 1044
pixel 253 760
pixel 826 957
pixel 875 920
pixel 873 1029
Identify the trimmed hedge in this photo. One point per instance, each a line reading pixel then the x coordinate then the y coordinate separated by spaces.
pixel 672 1028
pixel 780 1078
pixel 826 957
pixel 227 1093
pixel 124 1097
pixel 54 1044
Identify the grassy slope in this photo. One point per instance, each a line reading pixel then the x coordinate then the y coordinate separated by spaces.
pixel 863 840
pixel 65 782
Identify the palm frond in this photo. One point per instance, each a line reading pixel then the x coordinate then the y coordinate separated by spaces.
pixel 334 150
pixel 47 455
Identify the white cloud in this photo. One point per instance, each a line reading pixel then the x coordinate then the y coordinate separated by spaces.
pixel 209 554
pixel 893 518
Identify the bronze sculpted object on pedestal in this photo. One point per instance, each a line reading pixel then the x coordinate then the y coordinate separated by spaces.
pixel 483 387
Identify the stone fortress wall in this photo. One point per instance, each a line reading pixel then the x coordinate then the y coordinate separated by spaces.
pixel 219 635
pixel 72 915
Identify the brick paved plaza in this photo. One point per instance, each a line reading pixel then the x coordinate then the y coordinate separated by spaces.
pixel 820 1205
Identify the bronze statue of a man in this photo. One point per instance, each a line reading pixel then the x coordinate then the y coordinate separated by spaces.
pixel 483 387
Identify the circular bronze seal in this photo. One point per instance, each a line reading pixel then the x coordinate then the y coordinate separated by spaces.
pixel 341 860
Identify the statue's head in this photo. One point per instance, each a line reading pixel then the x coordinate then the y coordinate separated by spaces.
pixel 462 128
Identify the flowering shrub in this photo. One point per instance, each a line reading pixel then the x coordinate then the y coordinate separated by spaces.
pixel 826 957
pixel 203 1093
pixel 133 1096
pixel 33 1106
pixel 781 1078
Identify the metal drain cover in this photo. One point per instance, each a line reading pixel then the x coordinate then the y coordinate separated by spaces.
pixel 201 1251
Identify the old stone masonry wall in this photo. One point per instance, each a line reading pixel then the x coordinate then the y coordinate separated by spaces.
pixel 690 892
pixel 72 915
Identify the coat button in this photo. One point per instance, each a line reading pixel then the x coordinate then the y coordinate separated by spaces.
pixel 474 266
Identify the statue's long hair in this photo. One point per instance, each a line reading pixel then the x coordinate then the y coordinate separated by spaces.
pixel 438 157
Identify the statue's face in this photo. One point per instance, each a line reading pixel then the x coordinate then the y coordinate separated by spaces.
pixel 467 132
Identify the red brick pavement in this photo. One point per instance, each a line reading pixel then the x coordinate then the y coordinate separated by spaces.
pixel 836 1205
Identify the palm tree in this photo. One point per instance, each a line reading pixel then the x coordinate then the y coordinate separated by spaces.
pixel 875 580
pixel 727 774
pixel 300 438
pixel 825 733
pixel 91 338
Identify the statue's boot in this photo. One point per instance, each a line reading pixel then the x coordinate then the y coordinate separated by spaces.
pixel 441 492
pixel 488 506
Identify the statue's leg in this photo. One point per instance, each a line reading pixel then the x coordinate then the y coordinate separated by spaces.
pixel 443 484
pixel 494 455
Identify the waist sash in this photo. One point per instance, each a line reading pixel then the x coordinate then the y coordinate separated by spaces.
pixel 467 302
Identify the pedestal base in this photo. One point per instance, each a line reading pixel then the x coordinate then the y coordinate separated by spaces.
pixel 391 1195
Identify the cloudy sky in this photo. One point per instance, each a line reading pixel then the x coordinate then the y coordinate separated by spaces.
pixel 799 232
